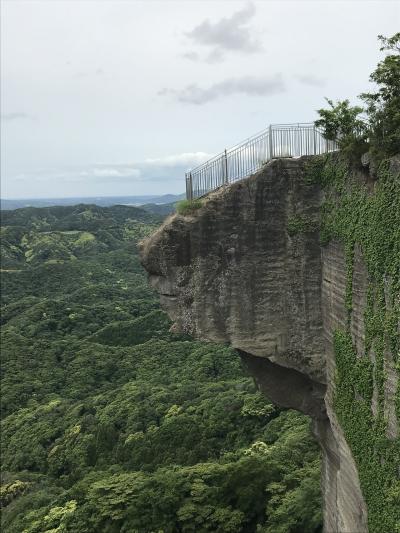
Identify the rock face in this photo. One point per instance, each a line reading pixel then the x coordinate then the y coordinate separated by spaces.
pixel 247 269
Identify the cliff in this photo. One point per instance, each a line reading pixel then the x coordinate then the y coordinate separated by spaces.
pixel 297 268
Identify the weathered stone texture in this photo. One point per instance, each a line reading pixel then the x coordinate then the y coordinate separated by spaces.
pixel 345 509
pixel 392 375
pixel 232 273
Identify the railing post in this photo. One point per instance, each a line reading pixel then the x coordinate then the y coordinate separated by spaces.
pixel 226 167
pixel 271 146
pixel 314 141
pixel 190 187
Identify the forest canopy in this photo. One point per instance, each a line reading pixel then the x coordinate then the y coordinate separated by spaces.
pixel 110 422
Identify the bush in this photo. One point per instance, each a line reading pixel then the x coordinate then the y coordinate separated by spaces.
pixel 187 207
pixel 343 123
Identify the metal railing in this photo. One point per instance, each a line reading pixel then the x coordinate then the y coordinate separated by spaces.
pixel 278 140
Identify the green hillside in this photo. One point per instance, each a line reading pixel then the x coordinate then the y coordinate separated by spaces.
pixel 110 423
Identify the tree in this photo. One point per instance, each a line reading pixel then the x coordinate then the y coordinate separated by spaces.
pixel 383 106
pixel 377 125
pixel 343 123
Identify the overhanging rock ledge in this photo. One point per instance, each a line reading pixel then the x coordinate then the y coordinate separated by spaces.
pixel 237 271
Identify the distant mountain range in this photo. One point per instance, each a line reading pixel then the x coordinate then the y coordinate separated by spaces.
pixel 163 204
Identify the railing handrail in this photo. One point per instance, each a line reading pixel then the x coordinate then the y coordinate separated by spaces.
pixel 251 138
pixel 250 155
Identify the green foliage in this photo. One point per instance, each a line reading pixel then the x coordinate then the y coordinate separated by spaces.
pixel 377 456
pixel 301 224
pixel 56 520
pixel 130 332
pixel 187 207
pixel 10 491
pixel 379 130
pixel 383 106
pixel 226 495
pixel 112 423
pixel 368 221
pixel 291 507
pixel 342 122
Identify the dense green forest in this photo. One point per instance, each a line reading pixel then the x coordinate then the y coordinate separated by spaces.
pixel 110 423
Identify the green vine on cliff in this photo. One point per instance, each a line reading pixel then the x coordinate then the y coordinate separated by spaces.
pixel 299 224
pixel 365 215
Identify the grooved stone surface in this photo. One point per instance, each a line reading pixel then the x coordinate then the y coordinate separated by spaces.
pixel 345 510
pixel 232 273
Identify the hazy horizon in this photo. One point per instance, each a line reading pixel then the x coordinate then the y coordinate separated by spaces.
pixel 121 98
pixel 89 196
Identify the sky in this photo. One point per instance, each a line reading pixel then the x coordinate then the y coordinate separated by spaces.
pixel 121 97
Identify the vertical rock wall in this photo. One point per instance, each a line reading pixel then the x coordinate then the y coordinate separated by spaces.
pixel 345 509
pixel 247 269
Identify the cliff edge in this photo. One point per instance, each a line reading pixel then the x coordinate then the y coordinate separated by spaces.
pixel 279 266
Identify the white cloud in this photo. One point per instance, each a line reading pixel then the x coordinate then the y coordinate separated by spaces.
pixel 119 172
pixel 192 56
pixel 162 169
pixel 188 159
pixel 248 85
pixel 79 174
pixel 229 34
pixel 310 79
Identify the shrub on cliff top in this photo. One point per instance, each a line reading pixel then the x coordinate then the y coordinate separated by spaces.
pixel 187 207
pixel 342 123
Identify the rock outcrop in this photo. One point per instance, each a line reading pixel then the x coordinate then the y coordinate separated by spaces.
pixel 247 269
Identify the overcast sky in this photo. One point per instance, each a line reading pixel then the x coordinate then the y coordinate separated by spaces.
pixel 121 97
